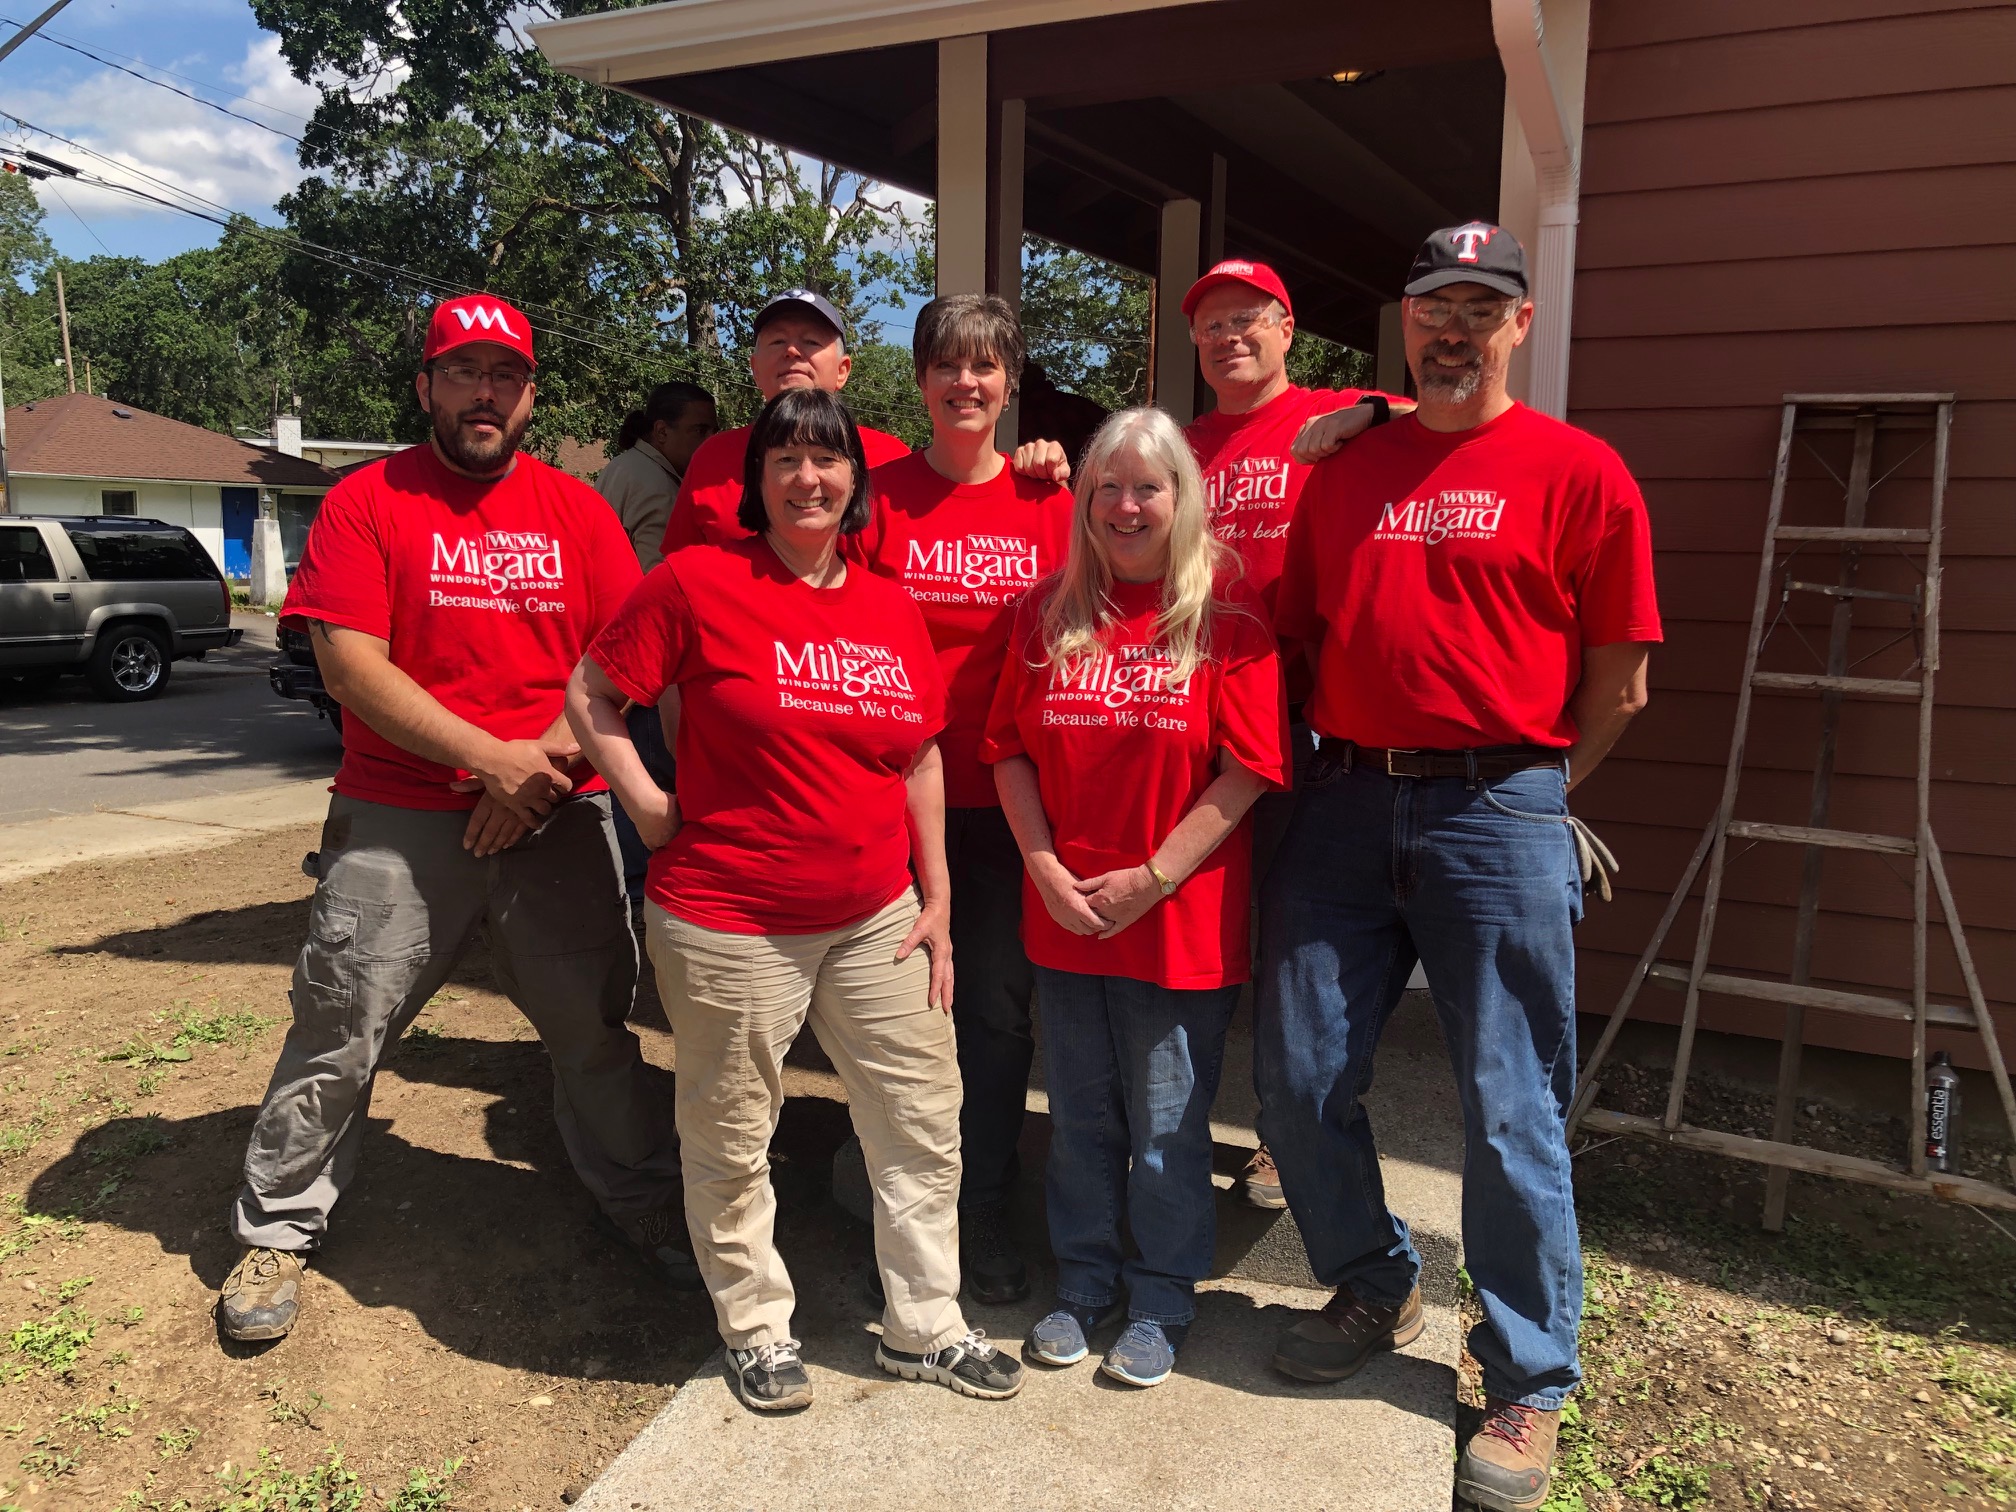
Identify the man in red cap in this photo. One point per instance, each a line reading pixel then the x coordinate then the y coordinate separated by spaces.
pixel 799 341
pixel 449 591
pixel 1243 324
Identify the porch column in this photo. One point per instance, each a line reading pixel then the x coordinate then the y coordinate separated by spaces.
pixel 962 165
pixel 1544 46
pixel 1170 381
pixel 1004 230
pixel 1390 361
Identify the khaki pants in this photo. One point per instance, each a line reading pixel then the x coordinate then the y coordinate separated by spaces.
pixel 400 901
pixel 736 1002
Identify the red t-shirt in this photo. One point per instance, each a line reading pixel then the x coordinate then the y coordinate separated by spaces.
pixel 1453 580
pixel 967 553
pixel 801 709
pixel 1251 483
pixel 711 491
pixel 488 593
pixel 1121 755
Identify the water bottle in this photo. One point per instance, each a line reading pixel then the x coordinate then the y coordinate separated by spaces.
pixel 1942 1110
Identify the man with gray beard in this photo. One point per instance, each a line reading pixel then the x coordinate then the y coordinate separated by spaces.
pixel 1474 585
pixel 449 590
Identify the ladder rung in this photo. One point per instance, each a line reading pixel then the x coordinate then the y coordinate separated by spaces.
pixel 1862 1004
pixel 1835 590
pixel 1835 839
pixel 1771 1152
pixel 1819 682
pixel 1854 535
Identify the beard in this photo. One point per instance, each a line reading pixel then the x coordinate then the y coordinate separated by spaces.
pixel 460 445
pixel 1453 385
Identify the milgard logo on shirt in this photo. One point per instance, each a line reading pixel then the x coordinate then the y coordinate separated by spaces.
pixel 1246 486
pixel 1115 681
pixel 1464 514
pixel 982 564
pixel 503 561
pixel 847 668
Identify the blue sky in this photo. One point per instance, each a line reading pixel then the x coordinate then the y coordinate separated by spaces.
pixel 211 48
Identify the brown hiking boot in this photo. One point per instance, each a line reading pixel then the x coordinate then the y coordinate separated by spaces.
pixel 262 1296
pixel 658 1238
pixel 1508 1462
pixel 1336 1342
pixel 1260 1183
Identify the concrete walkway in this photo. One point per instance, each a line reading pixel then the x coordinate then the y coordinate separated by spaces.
pixel 35 846
pixel 1223 1435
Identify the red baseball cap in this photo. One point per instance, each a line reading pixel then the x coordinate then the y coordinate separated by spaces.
pixel 1254 275
pixel 478 317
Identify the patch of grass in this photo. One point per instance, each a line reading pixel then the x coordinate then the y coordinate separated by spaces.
pixel 142 1138
pixel 74 1288
pixel 301 1413
pixel 427 1490
pixel 177 1441
pixel 423 1039
pixel 18 1137
pixel 271 1487
pixel 49 1460
pixel 1666 1483
pixel 35 1227
pixel 195 1027
pixel 1578 1465
pixel 101 1419
pixel 141 1051
pixel 54 1344
pixel 1960 1370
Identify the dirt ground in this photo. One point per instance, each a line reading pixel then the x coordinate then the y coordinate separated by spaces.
pixel 465 1333
pixel 468 1339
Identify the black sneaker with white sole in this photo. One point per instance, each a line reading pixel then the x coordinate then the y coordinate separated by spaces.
pixel 970 1366
pixel 770 1377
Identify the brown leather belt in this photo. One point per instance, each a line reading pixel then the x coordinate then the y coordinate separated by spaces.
pixel 1487 763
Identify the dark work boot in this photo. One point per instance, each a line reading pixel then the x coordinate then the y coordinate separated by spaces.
pixel 1509 1461
pixel 993 1267
pixel 658 1238
pixel 1336 1342
pixel 262 1296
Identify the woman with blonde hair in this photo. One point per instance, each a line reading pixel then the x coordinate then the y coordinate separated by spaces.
pixel 1140 713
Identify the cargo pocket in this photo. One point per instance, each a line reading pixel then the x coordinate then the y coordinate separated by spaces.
pixel 323 986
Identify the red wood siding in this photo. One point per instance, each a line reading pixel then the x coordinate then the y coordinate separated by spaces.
pixel 1803 195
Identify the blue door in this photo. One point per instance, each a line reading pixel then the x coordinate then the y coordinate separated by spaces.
pixel 241 508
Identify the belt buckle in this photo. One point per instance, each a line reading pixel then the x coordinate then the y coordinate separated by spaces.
pixel 1391 753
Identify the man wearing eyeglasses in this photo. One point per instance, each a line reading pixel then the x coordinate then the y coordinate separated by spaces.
pixel 449 591
pixel 1474 583
pixel 1243 326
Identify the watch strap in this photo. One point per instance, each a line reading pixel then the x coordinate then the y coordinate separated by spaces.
pixel 1162 879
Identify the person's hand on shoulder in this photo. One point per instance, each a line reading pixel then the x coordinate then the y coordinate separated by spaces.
pixel 1042 459
pixel 1324 435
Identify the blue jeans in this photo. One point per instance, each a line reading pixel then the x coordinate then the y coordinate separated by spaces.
pixel 648 735
pixel 1480 884
pixel 1132 1069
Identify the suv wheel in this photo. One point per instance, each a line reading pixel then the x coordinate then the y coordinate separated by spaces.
pixel 129 663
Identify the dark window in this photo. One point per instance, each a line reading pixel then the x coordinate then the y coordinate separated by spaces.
pixel 24 556
pixel 119 501
pixel 160 553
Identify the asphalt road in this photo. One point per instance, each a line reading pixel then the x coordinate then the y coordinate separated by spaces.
pixel 217 728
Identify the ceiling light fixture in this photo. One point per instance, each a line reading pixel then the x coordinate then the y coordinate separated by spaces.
pixel 1349 76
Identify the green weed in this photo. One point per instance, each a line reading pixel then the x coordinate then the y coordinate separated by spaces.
pixel 73 1288
pixel 1577 1464
pixel 1665 1483
pixel 49 1460
pixel 301 1413
pixel 423 1039
pixel 54 1344
pixel 142 1138
pixel 1960 1371
pixel 427 1490
pixel 141 1051
pixel 177 1441
pixel 271 1487
pixel 194 1027
pixel 99 1419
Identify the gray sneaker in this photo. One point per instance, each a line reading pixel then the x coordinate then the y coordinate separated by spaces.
pixel 770 1377
pixel 970 1366
pixel 1060 1337
pixel 1145 1352
pixel 261 1297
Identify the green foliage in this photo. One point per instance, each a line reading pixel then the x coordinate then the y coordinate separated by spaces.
pixel 427 1490
pixel 175 1442
pixel 271 1487
pixel 54 1344
pixel 1315 362
pixel 1664 1482
pixel 1086 323
pixel 1961 1370
pixel 195 1027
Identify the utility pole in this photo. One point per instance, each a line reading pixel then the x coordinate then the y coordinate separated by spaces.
pixel 6 499
pixel 30 29
pixel 63 316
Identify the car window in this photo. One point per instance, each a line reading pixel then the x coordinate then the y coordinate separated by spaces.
pixel 24 556
pixel 164 553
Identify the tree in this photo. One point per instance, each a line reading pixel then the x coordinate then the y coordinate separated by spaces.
pixel 452 156
pixel 1086 322
pixel 30 343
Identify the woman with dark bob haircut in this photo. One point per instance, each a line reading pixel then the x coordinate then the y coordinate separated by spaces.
pixel 780 890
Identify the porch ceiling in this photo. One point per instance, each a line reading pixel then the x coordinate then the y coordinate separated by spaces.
pixel 1333 184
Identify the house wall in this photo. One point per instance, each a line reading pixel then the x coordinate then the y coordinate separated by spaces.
pixel 1783 196
pixel 196 505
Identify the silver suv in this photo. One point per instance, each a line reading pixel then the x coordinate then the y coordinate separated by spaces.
pixel 116 598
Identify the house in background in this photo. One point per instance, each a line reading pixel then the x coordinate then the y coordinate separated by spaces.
pixel 85 454
pixel 283 435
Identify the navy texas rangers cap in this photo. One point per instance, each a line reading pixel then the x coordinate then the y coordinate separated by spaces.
pixel 1478 252
pixel 800 301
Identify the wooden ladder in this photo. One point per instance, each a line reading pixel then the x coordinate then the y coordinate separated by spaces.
pixel 1866 416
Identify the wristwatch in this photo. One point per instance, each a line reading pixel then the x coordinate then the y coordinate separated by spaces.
pixel 1162 879
pixel 1382 411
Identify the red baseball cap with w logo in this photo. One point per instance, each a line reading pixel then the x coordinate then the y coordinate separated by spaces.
pixel 478 317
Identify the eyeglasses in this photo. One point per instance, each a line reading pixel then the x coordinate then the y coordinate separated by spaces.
pixel 1240 323
pixel 1478 315
pixel 505 381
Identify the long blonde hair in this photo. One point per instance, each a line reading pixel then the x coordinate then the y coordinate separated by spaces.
pixel 1079 608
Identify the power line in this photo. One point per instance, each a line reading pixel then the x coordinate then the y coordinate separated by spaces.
pixel 80 219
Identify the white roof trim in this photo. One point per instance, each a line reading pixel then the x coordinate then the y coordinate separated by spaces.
pixel 694 36
pixel 76 477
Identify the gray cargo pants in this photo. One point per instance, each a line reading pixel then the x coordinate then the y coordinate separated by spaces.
pixel 399 902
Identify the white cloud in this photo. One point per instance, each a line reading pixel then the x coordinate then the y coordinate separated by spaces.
pixel 150 133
